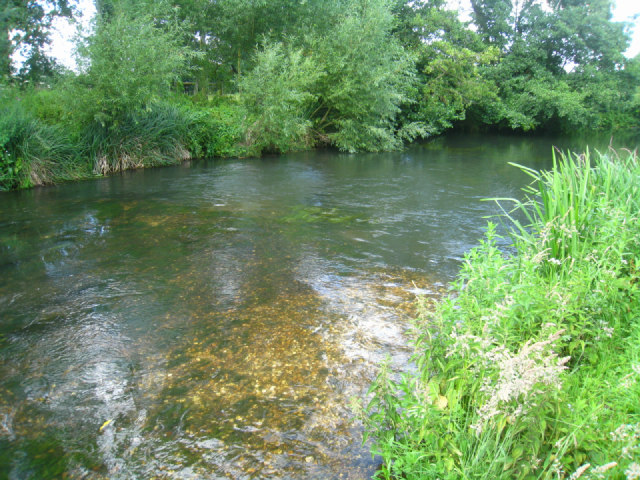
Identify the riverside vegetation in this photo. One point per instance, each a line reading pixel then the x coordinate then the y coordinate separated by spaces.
pixel 530 368
pixel 275 76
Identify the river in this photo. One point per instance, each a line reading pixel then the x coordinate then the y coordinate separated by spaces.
pixel 214 320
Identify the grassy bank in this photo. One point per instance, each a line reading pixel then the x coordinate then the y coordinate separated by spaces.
pixel 530 369
pixel 46 136
pixel 85 126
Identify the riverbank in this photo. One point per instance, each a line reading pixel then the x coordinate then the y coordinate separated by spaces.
pixel 529 369
pixel 43 140
pixel 46 138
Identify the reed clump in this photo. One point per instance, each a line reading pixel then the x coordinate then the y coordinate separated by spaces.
pixel 49 135
pixel 530 368
pixel 32 152
pixel 141 138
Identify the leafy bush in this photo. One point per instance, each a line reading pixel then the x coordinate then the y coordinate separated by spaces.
pixel 215 130
pixel 530 369
pixel 366 78
pixel 276 94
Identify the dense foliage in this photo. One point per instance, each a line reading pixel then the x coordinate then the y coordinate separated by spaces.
pixel 160 80
pixel 529 369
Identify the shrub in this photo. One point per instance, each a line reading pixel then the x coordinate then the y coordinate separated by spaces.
pixel 215 130
pixel 367 75
pixel 277 98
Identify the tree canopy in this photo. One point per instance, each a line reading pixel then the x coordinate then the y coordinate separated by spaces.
pixel 25 27
pixel 353 74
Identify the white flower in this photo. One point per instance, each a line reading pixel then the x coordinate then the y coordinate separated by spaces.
pixel 633 471
pixel 603 468
pixel 518 379
pixel 578 473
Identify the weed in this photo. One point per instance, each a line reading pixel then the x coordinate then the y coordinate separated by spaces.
pixel 533 359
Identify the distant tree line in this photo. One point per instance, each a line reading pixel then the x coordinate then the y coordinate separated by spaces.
pixel 279 75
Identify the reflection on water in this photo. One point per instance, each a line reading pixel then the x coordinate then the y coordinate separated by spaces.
pixel 212 321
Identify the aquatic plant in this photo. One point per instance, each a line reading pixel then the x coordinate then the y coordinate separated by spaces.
pixel 315 214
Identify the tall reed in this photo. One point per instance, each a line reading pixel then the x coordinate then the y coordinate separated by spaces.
pixel 564 205
pixel 33 153
pixel 144 138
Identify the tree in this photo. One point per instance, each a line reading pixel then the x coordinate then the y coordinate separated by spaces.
pixel 135 55
pixel 591 36
pixel 631 79
pixel 227 32
pixel 448 59
pixel 492 19
pixel 367 75
pixel 452 82
pixel 558 62
pixel 340 69
pixel 25 27
pixel 277 95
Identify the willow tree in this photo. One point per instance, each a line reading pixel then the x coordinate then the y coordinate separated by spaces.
pixel 135 55
pixel 366 78
pixel 343 75
pixel 277 94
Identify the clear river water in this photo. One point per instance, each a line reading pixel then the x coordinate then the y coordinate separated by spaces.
pixel 214 320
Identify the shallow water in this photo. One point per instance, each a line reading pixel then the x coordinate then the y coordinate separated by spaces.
pixel 213 320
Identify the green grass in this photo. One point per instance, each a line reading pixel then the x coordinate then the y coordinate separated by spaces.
pixel 530 369
pixel 45 137
pixel 144 138
pixel 32 152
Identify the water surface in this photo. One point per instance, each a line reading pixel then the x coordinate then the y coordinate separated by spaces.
pixel 213 320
